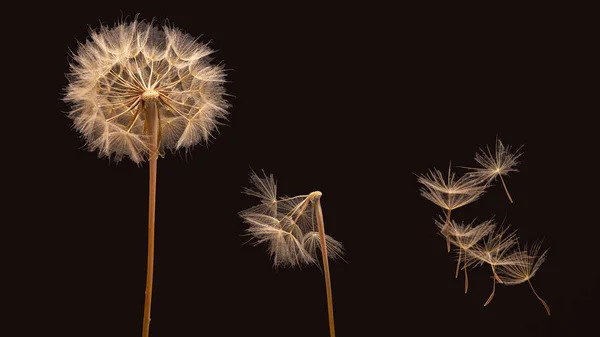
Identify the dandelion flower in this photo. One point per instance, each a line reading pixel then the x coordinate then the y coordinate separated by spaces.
pixel 136 90
pixel 465 236
pixel 449 194
pixel 527 263
pixel 494 250
pixel 293 229
pixel 502 162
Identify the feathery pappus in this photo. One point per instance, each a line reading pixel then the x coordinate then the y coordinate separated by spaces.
pixel 287 225
pixel 124 76
pixel 293 230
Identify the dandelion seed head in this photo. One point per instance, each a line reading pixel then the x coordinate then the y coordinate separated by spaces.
pixel 452 193
pixel 501 162
pixel 462 235
pixel 120 71
pixel 527 263
pixel 286 225
pixel 494 248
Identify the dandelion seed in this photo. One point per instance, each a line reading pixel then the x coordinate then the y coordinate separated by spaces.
pixel 494 250
pixel 136 90
pixel 502 162
pixel 449 194
pixel 465 237
pixel 527 263
pixel 293 229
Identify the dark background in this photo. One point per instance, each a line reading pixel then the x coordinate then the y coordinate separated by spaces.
pixel 352 109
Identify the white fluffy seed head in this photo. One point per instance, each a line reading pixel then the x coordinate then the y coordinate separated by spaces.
pixel 287 225
pixel 450 193
pixel 464 236
pixel 502 162
pixel 527 263
pixel 119 71
pixel 495 248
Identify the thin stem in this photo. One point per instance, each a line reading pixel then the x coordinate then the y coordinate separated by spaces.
pixel 152 128
pixel 493 289
pixel 505 189
pixel 539 298
pixel 458 262
pixel 466 276
pixel 321 226
pixel 492 294
pixel 496 275
pixel 446 230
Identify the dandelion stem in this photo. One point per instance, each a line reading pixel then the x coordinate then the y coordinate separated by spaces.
pixel 493 287
pixel 458 262
pixel 492 294
pixel 446 229
pixel 466 275
pixel 321 226
pixel 505 189
pixel 152 127
pixel 496 275
pixel 539 298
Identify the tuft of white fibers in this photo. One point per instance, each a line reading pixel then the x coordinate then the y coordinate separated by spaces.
pixel 495 248
pixel 499 164
pixel 452 193
pixel 464 236
pixel 287 225
pixel 502 162
pixel 527 263
pixel 123 71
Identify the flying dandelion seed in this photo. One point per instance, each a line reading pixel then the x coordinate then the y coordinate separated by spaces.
pixel 485 243
pixel 494 250
pixel 449 194
pixel 465 237
pixel 137 90
pixel 293 230
pixel 527 263
pixel 501 163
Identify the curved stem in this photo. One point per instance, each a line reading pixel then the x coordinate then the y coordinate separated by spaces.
pixel 496 275
pixel 152 128
pixel 539 298
pixel 505 189
pixel 321 226
pixel 493 288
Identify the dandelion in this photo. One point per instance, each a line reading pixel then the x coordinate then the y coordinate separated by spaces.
pixel 527 263
pixel 293 230
pixel 465 237
pixel 449 194
pixel 137 90
pixel 494 250
pixel 501 163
